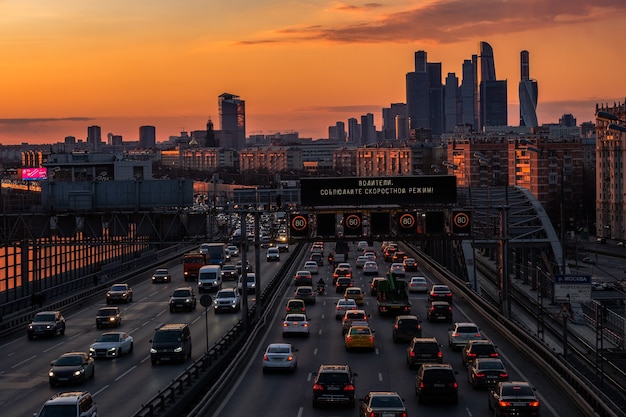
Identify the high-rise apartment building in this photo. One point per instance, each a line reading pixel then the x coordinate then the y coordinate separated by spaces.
pixel 528 93
pixel 94 138
pixel 354 131
pixel 232 114
pixel 147 137
pixel 368 130
pixel 395 125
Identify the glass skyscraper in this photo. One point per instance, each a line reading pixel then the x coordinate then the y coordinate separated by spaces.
pixel 528 94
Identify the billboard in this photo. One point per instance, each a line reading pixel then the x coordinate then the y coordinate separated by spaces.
pixel 572 288
pixel 34 174
pixel 423 190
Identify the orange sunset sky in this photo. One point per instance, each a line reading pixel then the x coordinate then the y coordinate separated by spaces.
pixel 300 65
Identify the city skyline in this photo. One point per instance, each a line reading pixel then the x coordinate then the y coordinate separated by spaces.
pixel 300 66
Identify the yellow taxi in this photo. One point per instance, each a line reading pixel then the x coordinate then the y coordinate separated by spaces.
pixel 354 293
pixel 360 337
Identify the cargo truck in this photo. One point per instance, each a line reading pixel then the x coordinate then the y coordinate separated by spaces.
pixel 392 297
pixel 192 262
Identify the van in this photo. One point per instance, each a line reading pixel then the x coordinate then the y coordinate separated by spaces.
pixel 170 342
pixel 209 278
pixel 70 404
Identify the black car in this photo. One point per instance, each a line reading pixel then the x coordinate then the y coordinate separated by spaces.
pixel 406 327
pixel 183 298
pixel 343 283
pixel 334 385
pixel 486 372
pixel 108 317
pixel 436 382
pixel 46 323
pixel 514 399
pixel 439 311
pixel 71 367
pixel 478 349
pixel 423 350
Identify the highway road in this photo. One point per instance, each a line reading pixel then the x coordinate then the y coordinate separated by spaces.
pixel 289 395
pixel 120 385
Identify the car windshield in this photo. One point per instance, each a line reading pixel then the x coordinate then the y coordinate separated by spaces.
pixel 517 391
pixel 278 349
pixel 295 317
pixel 181 293
pixel 490 365
pixel 333 378
pixel 358 331
pixel 108 338
pixel 226 294
pixel 118 288
pixel 44 317
pixel 167 337
pixel 386 402
pixel 438 375
pixel 161 272
pixel 228 268
pixel 107 312
pixel 69 361
pixel 58 410
pixel 467 329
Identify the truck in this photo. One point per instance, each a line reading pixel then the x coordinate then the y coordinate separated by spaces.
pixel 210 278
pixel 192 262
pixel 392 297
pixel 214 252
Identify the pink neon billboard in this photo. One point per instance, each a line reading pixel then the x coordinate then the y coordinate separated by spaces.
pixel 34 174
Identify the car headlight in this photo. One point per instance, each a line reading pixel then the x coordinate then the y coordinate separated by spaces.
pixel 112 319
pixel 48 326
pixel 51 373
pixel 188 300
pixel 178 349
pixel 92 350
pixel 78 372
pixel 30 327
pixel 233 303
pixel 153 350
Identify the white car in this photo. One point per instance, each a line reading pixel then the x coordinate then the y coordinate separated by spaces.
pixel 111 345
pixel 362 245
pixel 296 324
pixel 418 284
pixel 360 261
pixel 234 251
pixel 280 356
pixel 312 267
pixel 397 269
pixel 462 333
pixel 370 268
pixel 345 265
pixel 344 305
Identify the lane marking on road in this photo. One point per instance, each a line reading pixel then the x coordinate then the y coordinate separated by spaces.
pixel 100 390
pixel 23 362
pixel 125 373
pixel 53 347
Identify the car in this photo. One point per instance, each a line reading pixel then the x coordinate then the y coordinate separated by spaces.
pixel 440 292
pixel 344 305
pixel 399 257
pixel 295 306
pixel 341 272
pixel 280 357
pixel 461 333
pixel 303 277
pixel 599 286
pixel 362 245
pixel 439 311
pixel 389 252
pixel 360 261
pixel 229 273
pixel 272 255
pixel 234 251
pixel 397 269
pixel 161 275
pixel 410 264
pixel 46 323
pixel 382 403
pixel 355 293
pixel 589 260
pixel 486 372
pixel 227 255
pixel 406 327
pixel 601 240
pixel 352 316
pixel 334 385
pixel 317 257
pixel 370 268
pixel 305 293
pixel 171 341
pixel 119 293
pixel 71 367
pixel 418 284
pixel 342 284
pixel 239 266
pixel 345 265
pixel 250 283
pixel 514 398
pixel 183 298
pixel 374 285
pixel 296 324
pixel 312 267
pixel 370 255
pixel 481 348
pixel 423 350
pixel 108 317
pixel 436 382
pixel 111 345
pixel 227 299
pixel 69 404
pixel 282 246
pixel 360 337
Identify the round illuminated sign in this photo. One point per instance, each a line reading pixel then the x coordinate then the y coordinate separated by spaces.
pixel 407 221
pixel 299 223
pixel 461 220
pixel 353 221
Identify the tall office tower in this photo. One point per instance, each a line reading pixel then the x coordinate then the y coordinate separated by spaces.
pixel 491 105
pixel 528 93
pixel 332 132
pixel 341 132
pixel 417 94
pixel 394 118
pixel 354 131
pixel 147 137
pixel 232 113
pixel 452 102
pixel 368 130
pixel 467 94
pixel 94 138
pixel 211 140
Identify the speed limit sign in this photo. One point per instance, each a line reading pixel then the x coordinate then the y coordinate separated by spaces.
pixel 407 223
pixel 353 224
pixel 299 225
pixel 461 222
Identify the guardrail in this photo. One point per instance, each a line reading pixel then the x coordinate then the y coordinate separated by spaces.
pixel 579 390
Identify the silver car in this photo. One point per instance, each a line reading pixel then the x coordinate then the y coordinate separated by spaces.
pixel 111 345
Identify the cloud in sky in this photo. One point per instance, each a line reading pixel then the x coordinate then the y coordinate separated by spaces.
pixel 443 22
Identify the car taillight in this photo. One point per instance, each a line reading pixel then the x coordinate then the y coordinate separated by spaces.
pixel 440 354
pixel 396 326
pixel 419 327
pixel 533 404
pixel 504 403
pixel 306 324
pixel 318 387
pixel 265 357
pixel 290 358
pixel 479 375
pixel 455 335
pixel 371 338
pixel 494 355
pixel 455 385
pixel 422 385
pixel 285 324
pixel 471 355
pixel 504 375
pixel 349 338
pixel 348 387
pixel 412 354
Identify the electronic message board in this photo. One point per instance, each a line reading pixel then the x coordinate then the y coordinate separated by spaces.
pixel 355 191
